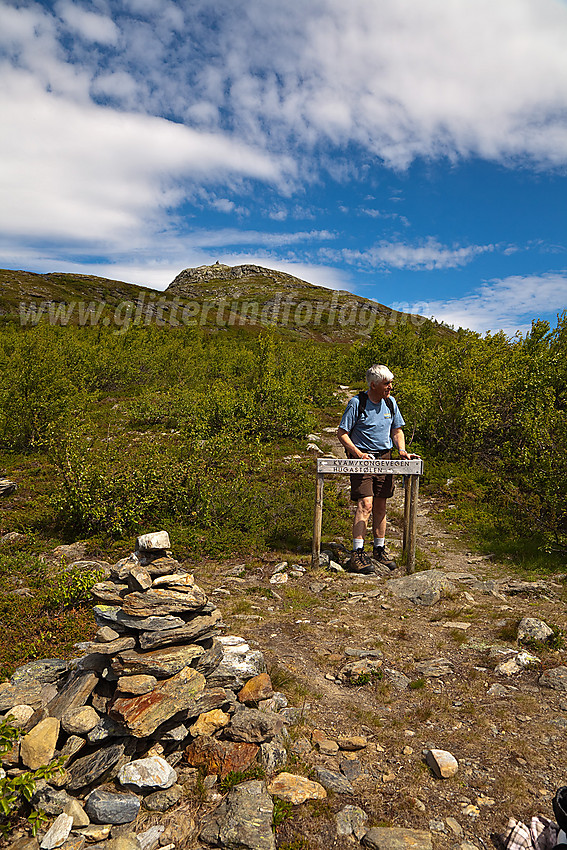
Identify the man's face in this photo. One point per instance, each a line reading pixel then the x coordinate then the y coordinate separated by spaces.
pixel 382 388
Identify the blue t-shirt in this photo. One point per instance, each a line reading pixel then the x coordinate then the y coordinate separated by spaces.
pixel 372 431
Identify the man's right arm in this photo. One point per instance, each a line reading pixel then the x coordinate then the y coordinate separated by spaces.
pixel 349 446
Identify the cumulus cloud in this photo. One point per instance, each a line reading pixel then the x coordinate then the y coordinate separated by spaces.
pixel 83 172
pixel 88 25
pixel 508 304
pixel 426 255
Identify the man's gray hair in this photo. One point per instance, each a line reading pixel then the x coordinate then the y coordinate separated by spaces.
pixel 376 374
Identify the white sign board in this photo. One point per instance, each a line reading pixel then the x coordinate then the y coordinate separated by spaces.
pixel 346 466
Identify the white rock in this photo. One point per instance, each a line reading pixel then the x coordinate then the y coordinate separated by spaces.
pixel 442 763
pixel 279 578
pixel 19 715
pixel 154 540
pixel 152 772
pixel 58 833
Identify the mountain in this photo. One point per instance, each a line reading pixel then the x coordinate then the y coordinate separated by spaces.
pixel 211 297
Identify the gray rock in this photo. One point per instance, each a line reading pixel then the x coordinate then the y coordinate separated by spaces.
pixel 351 768
pixel 25 694
pixel 197 627
pixel 44 672
pixel 105 728
pixel 122 644
pixel 75 692
pixel 243 821
pixel 106 635
pixel 435 668
pixel 555 678
pixel 332 781
pixel 159 601
pixel 115 616
pixel 254 726
pixel 52 800
pixel 397 838
pixel 354 652
pixel 164 799
pixel 108 592
pixel 152 772
pixel 108 807
pixel 139 578
pixel 58 832
pixel 89 768
pixel 273 755
pixel 423 588
pixel 398 680
pixel 161 663
pixel 530 628
pixel 351 821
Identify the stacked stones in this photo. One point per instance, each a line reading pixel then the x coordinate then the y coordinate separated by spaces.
pixel 157 680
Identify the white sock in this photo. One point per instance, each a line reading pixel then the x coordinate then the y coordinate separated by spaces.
pixel 379 541
pixel 358 543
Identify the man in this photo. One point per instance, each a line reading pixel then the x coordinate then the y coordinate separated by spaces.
pixel 370 430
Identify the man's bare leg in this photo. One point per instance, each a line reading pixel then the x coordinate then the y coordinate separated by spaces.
pixel 379 517
pixel 361 517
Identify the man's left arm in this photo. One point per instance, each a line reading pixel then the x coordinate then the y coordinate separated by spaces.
pixel 399 441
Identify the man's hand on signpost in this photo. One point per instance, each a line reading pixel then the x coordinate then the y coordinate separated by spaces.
pixel 408 456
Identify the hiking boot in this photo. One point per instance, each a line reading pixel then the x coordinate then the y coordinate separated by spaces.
pixel 380 554
pixel 360 563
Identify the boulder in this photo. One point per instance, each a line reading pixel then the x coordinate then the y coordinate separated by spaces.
pixel 243 821
pixel 423 588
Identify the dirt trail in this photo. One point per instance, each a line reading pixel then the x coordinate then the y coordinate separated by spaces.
pixel 509 741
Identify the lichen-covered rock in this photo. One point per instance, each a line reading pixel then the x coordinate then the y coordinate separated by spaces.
pixel 243 821
pixel 295 789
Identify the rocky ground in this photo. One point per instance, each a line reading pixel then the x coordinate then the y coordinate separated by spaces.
pixel 435 685
pixel 382 670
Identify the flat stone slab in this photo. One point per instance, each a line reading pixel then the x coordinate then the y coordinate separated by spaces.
pixel 88 769
pixel 43 672
pixel 161 663
pixel 221 757
pixel 397 838
pixel 143 714
pixel 423 588
pixel 75 693
pixel 115 616
pixel 196 627
pixel 164 601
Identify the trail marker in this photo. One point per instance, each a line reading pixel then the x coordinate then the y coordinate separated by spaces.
pixel 410 469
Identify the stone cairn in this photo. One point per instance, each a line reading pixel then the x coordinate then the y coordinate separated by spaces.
pixel 159 688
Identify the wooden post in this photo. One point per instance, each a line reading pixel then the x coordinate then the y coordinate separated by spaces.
pixel 412 524
pixel 318 520
pixel 407 484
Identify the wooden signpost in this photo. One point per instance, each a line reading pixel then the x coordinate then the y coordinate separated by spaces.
pixel 411 469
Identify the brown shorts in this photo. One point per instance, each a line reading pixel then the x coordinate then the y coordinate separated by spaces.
pixel 364 485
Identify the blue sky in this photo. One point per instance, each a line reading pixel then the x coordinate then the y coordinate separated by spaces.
pixel 411 151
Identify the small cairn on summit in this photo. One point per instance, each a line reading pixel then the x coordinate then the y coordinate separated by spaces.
pixel 159 687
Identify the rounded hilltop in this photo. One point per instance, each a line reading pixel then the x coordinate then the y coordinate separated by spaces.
pixel 252 276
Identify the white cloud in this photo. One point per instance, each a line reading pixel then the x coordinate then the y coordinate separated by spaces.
pixel 508 304
pixel 85 173
pixel 427 255
pixel 88 25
